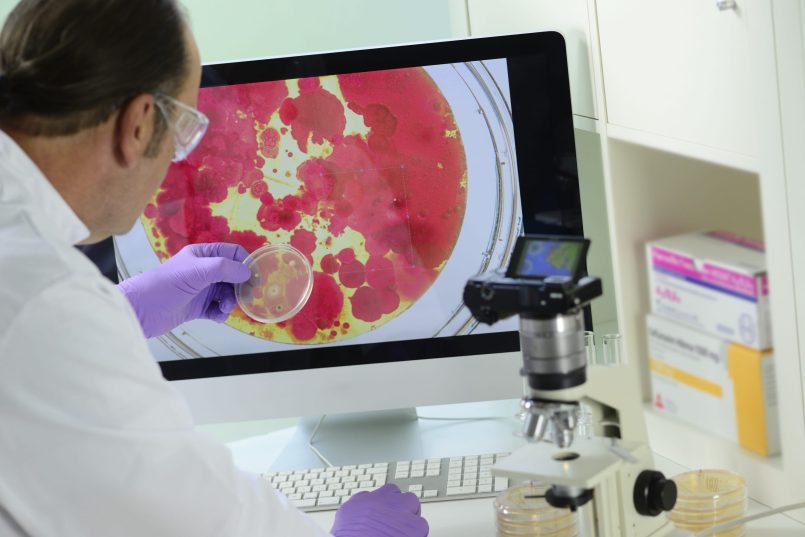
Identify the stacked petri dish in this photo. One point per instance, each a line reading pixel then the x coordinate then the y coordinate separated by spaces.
pixel 523 512
pixel 708 498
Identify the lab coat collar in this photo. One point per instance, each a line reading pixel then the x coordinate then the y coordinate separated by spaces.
pixel 23 182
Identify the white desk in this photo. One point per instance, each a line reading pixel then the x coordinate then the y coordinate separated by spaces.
pixel 396 438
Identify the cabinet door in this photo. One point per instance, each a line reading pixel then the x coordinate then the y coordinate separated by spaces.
pixel 568 17
pixel 679 69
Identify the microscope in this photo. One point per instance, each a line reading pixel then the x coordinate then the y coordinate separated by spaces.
pixel 545 286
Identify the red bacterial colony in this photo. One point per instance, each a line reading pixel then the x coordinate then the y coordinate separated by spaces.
pixel 364 173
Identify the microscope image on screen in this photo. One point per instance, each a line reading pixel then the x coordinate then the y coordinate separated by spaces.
pixel 396 185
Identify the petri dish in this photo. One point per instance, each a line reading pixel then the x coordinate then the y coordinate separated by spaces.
pixel 280 284
pixel 707 498
pixel 522 511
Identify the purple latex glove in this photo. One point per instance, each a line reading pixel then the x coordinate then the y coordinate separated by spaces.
pixel 196 283
pixel 385 512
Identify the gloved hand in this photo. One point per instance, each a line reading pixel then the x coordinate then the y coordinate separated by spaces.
pixel 385 512
pixel 196 283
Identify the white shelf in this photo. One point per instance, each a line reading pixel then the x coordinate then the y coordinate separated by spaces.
pixel 685 148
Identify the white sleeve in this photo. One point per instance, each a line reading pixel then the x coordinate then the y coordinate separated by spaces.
pixel 93 441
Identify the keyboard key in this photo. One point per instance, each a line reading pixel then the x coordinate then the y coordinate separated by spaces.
pixel 294 496
pixel 434 461
pixel 376 470
pixel 349 479
pixel 317 481
pixel 485 488
pixel 364 466
pixel 413 488
pixel 319 488
pixel 401 474
pixel 466 482
pixel 486 481
pixel 327 475
pixel 417 473
pixel 366 484
pixel 430 494
pixel 350 486
pixel 303 489
pixel 310 495
pixel 383 465
pixel 329 501
pixel 332 480
pixel 417 493
pixel 455 491
pixel 335 486
pixel 326 494
pixel 501 483
pixel 350 467
pixel 280 479
pixel 454 483
pixel 285 485
pixel 302 483
pixel 433 473
pixel 341 493
pixel 311 475
pixel 419 461
pixel 342 473
pixel 357 472
pixel 380 482
pixel 304 503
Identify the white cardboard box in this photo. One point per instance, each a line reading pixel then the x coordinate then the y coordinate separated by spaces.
pixel 713 281
pixel 714 384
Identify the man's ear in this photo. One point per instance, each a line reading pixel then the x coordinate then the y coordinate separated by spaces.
pixel 134 129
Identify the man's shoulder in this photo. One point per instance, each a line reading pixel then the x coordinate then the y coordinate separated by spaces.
pixel 35 269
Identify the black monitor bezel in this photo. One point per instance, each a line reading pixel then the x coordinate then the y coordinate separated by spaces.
pixel 547 171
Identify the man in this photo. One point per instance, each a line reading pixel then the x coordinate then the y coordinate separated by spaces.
pixel 93 442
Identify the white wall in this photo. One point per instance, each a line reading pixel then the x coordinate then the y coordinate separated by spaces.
pixel 238 29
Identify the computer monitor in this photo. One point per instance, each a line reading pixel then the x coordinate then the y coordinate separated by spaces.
pixel 400 172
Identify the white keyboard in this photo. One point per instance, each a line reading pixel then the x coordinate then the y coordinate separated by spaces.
pixel 453 478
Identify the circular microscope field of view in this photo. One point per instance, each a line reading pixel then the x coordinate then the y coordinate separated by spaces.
pixel 365 174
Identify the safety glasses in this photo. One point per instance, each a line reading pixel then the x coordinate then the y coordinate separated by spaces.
pixel 188 127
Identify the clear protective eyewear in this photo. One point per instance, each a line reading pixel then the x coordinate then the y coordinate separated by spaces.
pixel 188 127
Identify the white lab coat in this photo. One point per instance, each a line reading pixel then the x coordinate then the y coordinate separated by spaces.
pixel 93 441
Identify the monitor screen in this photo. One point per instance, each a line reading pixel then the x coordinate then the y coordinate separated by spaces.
pixel 399 173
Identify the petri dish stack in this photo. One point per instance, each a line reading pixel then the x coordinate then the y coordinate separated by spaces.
pixel 707 498
pixel 523 512
pixel 280 285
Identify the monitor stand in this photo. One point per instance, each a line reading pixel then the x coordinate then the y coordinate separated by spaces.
pixel 403 434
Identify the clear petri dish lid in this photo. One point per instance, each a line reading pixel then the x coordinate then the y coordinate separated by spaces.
pixel 709 489
pixel 525 504
pixel 280 285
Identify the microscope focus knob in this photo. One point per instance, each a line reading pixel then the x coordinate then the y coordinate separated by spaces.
pixel 653 493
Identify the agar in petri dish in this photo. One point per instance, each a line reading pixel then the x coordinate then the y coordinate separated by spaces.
pixel 280 285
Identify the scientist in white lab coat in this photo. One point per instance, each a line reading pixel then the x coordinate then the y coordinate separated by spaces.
pixel 96 98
